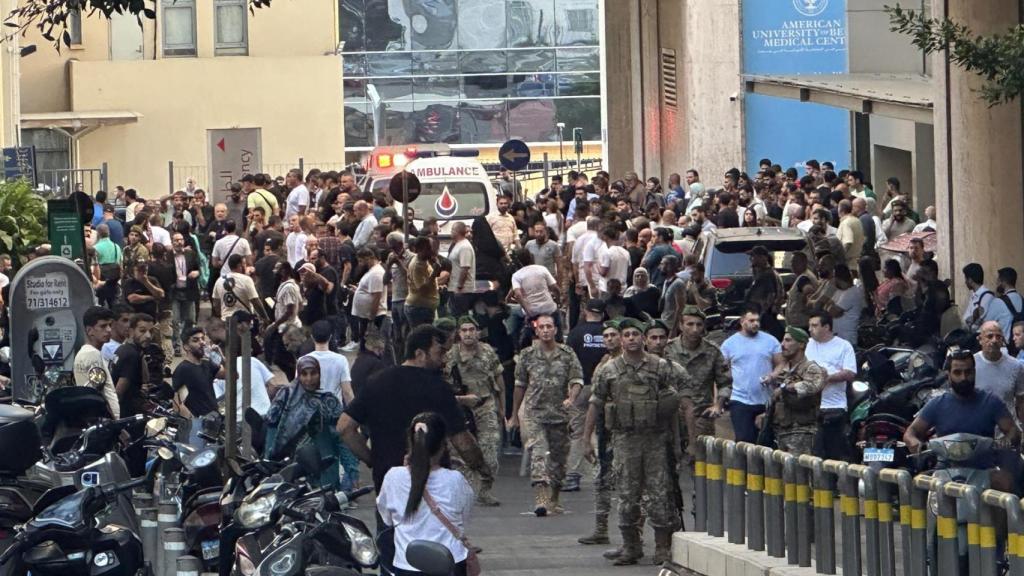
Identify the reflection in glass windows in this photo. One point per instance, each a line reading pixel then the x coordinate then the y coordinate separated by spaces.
pixel 470 71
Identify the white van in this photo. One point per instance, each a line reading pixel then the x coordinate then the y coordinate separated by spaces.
pixel 452 189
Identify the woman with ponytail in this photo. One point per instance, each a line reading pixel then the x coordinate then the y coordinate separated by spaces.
pixel 423 501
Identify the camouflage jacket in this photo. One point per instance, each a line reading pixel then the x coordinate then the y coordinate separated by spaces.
pixel 476 371
pixel 546 379
pixel 653 379
pixel 797 407
pixel 706 367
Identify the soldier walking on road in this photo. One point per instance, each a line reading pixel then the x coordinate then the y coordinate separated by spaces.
pixel 796 399
pixel 548 380
pixel 603 482
pixel 709 373
pixel 475 370
pixel 636 392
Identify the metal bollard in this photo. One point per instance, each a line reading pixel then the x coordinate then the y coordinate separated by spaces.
pixel 141 501
pixel 886 534
pixel 804 511
pixel 167 517
pixel 870 478
pixel 150 536
pixel 970 502
pixel 755 495
pixel 904 482
pixel 948 558
pixel 919 525
pixel 789 475
pixel 849 508
pixel 735 478
pixel 986 538
pixel 1015 534
pixel 174 547
pixel 189 566
pixel 700 488
pixel 774 502
pixel 824 517
pixel 716 508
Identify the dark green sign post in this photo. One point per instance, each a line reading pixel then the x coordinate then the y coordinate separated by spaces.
pixel 67 234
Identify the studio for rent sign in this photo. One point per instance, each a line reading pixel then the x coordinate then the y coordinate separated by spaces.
pixel 790 37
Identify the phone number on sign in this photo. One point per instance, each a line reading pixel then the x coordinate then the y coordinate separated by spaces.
pixel 50 302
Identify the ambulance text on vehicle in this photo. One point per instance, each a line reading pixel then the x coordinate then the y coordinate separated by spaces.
pixel 452 189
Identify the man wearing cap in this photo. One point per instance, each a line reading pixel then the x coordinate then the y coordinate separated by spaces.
pixel 603 482
pixel 766 291
pixel 548 381
pixel 586 341
pixel 474 371
pixel 795 400
pixel 136 249
pixel 636 393
pixel 709 372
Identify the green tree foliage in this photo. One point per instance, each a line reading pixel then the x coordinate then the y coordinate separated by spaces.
pixel 51 17
pixel 22 219
pixel 997 58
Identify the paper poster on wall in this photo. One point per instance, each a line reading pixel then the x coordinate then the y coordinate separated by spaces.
pixel 787 37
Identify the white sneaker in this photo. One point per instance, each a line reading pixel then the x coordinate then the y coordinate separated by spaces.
pixel 350 347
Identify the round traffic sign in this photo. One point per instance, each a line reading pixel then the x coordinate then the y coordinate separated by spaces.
pixel 404 185
pixel 514 155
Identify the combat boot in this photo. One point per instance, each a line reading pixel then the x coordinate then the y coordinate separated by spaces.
pixel 554 507
pixel 662 545
pixel 613 553
pixel 632 548
pixel 600 535
pixel 540 499
pixel 486 499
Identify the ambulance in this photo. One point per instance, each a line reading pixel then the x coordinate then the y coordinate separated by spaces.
pixel 454 186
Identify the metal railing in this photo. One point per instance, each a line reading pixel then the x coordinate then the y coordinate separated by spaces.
pixel 60 183
pixel 784 505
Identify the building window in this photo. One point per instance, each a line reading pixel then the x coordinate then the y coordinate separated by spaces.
pixel 179 27
pixel 75 27
pixel 232 28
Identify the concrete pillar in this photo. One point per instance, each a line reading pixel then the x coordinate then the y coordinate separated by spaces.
pixel 622 46
pixel 978 158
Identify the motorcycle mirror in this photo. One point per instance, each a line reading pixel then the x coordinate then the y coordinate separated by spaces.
pixel 165 453
pixel 431 558
pixel 155 426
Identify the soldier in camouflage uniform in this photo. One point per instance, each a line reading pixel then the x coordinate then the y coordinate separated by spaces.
pixel 603 482
pixel 709 372
pixel 636 392
pixel 796 400
pixel 474 370
pixel 548 380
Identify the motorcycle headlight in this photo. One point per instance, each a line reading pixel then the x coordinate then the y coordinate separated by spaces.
pixel 959 450
pixel 363 548
pixel 256 513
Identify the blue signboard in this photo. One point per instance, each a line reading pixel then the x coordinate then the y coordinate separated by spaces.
pixel 788 37
pixel 20 163
pixel 514 155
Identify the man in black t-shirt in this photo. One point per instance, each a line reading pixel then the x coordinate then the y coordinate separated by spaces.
pixel 394 396
pixel 129 371
pixel 319 286
pixel 267 281
pixel 587 341
pixel 143 291
pixel 193 378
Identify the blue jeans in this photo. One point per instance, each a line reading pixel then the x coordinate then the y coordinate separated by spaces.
pixel 742 416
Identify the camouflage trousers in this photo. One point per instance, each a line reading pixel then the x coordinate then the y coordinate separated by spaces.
pixel 796 442
pixel 642 469
pixel 604 479
pixel 549 450
pixel 577 418
pixel 694 426
pixel 488 437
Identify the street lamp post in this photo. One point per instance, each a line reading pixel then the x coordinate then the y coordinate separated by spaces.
pixel 561 150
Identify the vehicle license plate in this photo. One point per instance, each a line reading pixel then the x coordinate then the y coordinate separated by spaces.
pixel 879 454
pixel 211 549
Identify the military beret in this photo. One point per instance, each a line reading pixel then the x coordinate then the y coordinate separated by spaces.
pixel 631 323
pixel 798 334
pixel 466 319
pixel 655 324
pixel 694 311
pixel 613 324
pixel 445 323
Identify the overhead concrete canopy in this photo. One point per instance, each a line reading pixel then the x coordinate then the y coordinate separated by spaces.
pixel 903 96
pixel 77 124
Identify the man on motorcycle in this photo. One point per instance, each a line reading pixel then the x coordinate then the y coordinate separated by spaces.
pixel 964 409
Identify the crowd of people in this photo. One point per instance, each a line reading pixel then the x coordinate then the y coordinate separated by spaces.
pixel 575 319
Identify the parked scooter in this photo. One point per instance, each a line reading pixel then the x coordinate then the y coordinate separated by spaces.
pixel 19 442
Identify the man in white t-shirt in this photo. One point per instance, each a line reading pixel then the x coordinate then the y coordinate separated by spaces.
pixel 462 283
pixel 839 360
pixel 613 260
pixel 846 305
pixel 259 399
pixel 230 244
pixel 335 376
pixel 298 199
pixel 235 291
pixel 90 368
pixel 533 286
pixel 369 301
pixel 997 372
pixel 157 233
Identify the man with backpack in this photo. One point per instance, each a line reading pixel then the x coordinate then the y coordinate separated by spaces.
pixel 1007 288
pixel 984 305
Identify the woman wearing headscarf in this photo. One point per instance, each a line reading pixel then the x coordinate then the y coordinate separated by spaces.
pixel 303 413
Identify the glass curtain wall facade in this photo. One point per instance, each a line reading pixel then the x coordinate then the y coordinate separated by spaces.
pixel 470 71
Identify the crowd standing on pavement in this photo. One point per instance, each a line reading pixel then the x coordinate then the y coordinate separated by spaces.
pixel 574 324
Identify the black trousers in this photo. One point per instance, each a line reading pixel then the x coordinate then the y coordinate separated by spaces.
pixel 833 438
pixel 743 416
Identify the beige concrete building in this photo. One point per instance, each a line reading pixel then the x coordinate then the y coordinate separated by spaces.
pixel 136 97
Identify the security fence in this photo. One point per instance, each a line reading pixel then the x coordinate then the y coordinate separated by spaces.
pixel 785 506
